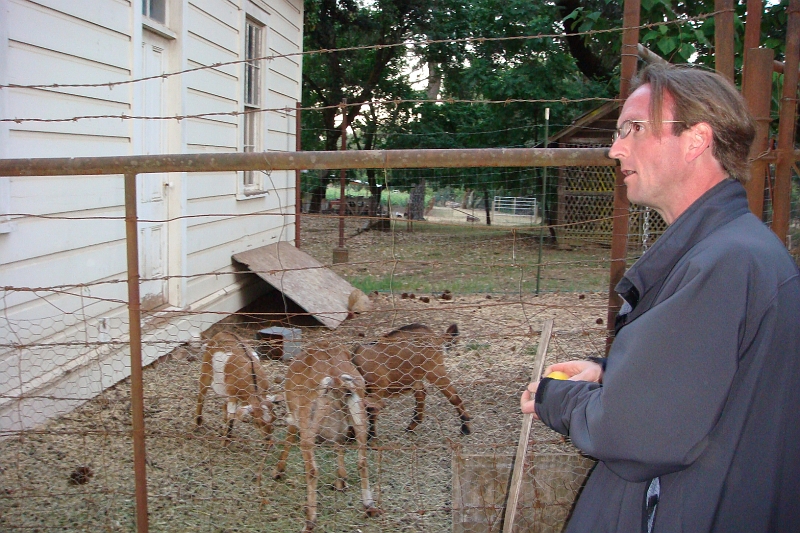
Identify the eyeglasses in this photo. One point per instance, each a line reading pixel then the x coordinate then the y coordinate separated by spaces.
pixel 626 127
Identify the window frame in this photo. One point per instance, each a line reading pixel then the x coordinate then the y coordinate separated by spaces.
pixel 147 10
pixel 251 182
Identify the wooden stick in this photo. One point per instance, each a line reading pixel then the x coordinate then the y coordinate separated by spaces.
pixel 527 422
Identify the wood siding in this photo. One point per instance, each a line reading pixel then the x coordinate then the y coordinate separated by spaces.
pixel 71 231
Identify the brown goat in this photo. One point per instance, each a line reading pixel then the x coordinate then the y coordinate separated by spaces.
pixel 324 395
pixel 233 370
pixel 400 362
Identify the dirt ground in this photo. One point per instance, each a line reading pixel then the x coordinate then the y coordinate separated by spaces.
pixel 76 472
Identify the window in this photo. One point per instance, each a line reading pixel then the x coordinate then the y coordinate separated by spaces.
pixel 254 37
pixel 155 9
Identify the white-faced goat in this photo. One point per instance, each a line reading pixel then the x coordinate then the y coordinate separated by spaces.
pixel 233 371
pixel 324 395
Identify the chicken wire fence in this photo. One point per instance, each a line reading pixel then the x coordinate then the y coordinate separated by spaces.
pixel 66 460
pixel 75 472
pixel 70 468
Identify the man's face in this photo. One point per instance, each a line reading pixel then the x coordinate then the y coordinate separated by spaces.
pixel 653 166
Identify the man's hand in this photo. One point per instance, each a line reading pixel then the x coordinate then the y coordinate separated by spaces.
pixel 579 370
pixel 526 402
pixel 576 370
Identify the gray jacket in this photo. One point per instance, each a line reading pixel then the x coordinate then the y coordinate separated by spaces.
pixel 701 387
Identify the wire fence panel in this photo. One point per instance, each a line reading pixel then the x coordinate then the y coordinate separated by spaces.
pixel 66 460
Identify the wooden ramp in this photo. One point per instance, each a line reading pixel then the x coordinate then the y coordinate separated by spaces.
pixel 301 278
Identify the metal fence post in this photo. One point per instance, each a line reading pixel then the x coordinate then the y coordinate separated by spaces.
pixel 619 227
pixel 298 193
pixel 135 332
pixel 786 127
pixel 340 253
pixel 723 38
pixel 758 95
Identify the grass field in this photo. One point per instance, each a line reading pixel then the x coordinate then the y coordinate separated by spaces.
pixel 427 258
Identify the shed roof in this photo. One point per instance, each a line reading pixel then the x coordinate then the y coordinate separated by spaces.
pixel 301 278
pixel 593 127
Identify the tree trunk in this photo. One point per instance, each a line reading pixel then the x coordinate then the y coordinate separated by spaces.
pixel 487 207
pixel 465 202
pixel 434 80
pixel 416 202
pixel 374 193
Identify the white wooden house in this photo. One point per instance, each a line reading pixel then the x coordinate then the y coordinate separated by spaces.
pixel 64 342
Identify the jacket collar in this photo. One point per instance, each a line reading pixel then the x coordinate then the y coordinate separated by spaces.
pixel 721 204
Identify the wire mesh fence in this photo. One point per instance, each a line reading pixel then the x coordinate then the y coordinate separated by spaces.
pixel 74 471
pixel 66 462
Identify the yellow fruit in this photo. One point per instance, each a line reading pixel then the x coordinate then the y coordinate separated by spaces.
pixel 557 374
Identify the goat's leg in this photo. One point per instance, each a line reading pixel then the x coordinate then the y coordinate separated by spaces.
pixel 372 415
pixel 357 420
pixel 307 448
pixel 291 438
pixel 341 472
pixel 419 407
pixel 440 380
pixel 205 383
pixel 231 411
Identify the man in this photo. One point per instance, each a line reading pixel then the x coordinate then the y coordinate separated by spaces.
pixel 694 417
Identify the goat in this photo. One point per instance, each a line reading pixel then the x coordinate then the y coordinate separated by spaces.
pixel 324 395
pixel 233 370
pixel 399 362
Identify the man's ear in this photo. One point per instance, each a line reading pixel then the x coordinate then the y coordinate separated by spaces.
pixel 700 138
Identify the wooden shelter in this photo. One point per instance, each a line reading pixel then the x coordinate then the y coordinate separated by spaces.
pixel 585 205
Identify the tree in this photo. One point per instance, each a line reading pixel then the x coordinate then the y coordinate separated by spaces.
pixel 691 41
pixel 359 76
pixel 501 63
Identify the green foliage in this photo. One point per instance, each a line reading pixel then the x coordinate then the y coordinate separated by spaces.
pixel 472 66
pixel 675 37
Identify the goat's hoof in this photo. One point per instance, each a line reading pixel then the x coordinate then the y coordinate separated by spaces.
pixel 277 476
pixel 309 526
pixel 372 512
pixel 465 430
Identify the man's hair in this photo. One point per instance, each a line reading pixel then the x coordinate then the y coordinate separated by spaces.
pixel 703 96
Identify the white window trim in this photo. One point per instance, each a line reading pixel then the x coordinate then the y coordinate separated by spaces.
pixel 258 189
pixel 155 21
pixel 158 28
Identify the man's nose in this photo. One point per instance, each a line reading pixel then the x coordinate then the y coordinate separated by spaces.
pixel 617 149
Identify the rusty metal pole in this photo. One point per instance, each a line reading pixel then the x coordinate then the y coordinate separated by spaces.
pixel 757 92
pixel 752 27
pixel 786 126
pixel 619 231
pixel 752 34
pixel 340 253
pixel 723 38
pixel 298 193
pixel 135 332
pixel 324 160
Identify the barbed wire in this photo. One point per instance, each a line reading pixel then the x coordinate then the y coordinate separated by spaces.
pixel 291 110
pixel 406 43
